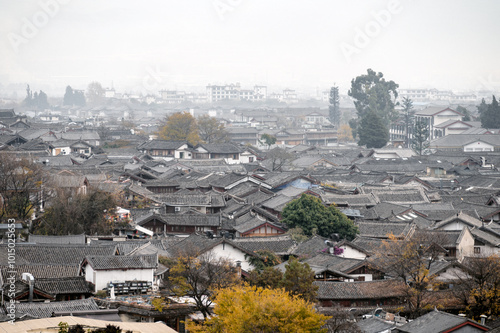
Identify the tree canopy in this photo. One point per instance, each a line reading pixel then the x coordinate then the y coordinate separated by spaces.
pixel 244 308
pixel 479 289
pixel 36 99
pixel 372 93
pixel 199 275
pixel 268 140
pixel 411 260
pixel 76 214
pixel 372 131
pixel 490 114
pixel 211 130
pixel 180 126
pixel 95 93
pixel 73 97
pixel 21 186
pixel 313 217
pixel 278 158
pixel 297 279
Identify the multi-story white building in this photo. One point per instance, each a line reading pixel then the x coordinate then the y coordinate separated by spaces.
pixel 234 92
pixel 426 95
pixel 288 96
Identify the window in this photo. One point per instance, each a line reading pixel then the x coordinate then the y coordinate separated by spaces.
pixel 250 159
pixel 477 250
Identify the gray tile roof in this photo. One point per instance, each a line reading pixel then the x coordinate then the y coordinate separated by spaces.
pixel 69 239
pixel 374 325
pixel 460 140
pixel 122 262
pixel 310 247
pixel 45 310
pixel 370 244
pixel 376 289
pixel 383 229
pixel 331 261
pixel 182 219
pixel 68 285
pixel 464 218
pixel 161 144
pixel 209 199
pixel 221 148
pixel 280 245
pixel 42 271
pixel 434 321
pixel 352 200
pixel 54 254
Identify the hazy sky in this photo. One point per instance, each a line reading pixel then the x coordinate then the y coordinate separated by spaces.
pixel 150 45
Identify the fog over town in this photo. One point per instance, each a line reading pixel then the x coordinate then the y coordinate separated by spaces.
pixel 249 166
pixel 281 44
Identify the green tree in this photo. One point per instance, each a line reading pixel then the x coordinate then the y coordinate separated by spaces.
pixel 268 277
pixel 420 136
pixel 263 259
pixel 242 309
pixel 372 93
pixel 68 96
pixel 211 130
pixel 37 99
pixel 408 116
pixel 482 107
pixel 334 107
pixel 95 93
pixel 180 126
pixel 298 280
pixel 28 100
pixel 268 140
pixel 41 101
pixel 73 97
pixel 490 115
pixel 343 226
pixel 353 124
pixel 372 131
pixel 465 112
pixel 313 217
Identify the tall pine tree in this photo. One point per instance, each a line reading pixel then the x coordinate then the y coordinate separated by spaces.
pixel 334 107
pixel 420 136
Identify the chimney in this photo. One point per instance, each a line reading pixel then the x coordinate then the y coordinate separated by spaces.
pixel 238 268
pixel 31 282
pixel 483 319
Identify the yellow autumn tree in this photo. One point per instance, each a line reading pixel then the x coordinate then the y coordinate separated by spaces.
pixel 180 126
pixel 344 133
pixel 244 308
